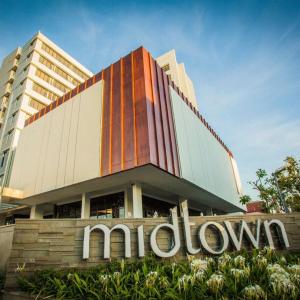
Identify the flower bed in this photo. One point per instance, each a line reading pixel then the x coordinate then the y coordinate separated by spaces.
pixel 259 275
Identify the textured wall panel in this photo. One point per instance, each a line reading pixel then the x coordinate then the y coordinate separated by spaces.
pixel 137 127
pixel 44 244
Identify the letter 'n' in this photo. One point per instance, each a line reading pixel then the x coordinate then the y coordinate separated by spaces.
pixel 279 225
pixel 107 233
pixel 237 241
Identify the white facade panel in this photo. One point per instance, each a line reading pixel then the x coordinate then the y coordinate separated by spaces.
pixel 63 153
pixel 90 117
pixel 203 159
pixel 61 148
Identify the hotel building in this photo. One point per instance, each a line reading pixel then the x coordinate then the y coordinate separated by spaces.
pixel 125 143
pixel 31 78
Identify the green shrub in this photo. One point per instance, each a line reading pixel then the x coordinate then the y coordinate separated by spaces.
pixel 257 275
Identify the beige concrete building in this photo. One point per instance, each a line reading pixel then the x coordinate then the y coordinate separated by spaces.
pixel 169 64
pixel 125 143
pixel 31 78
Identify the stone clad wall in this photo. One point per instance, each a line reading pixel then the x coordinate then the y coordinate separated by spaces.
pixel 59 243
pixel 6 237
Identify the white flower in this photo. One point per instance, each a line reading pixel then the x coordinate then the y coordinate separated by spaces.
pixel 277 269
pixel 283 260
pixel 239 274
pixel 184 281
pixel 239 261
pixel 163 282
pixel 253 292
pixel 116 274
pixel 198 264
pixel 215 282
pixel 20 269
pixel 103 279
pixel 267 251
pixel 282 285
pixel 261 261
pixel 210 261
pixel 224 261
pixel 199 275
pixel 294 269
pixel 151 278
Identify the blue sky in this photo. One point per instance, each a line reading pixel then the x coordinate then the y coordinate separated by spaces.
pixel 243 57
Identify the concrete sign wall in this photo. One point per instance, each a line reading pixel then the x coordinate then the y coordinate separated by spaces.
pixel 59 243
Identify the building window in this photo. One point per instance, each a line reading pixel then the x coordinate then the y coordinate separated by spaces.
pixel 51 81
pixel 44 92
pixel 62 60
pixel 166 67
pixel 36 104
pixel 58 70
pixel 155 208
pixel 68 211
pixel 3 157
pixel 108 206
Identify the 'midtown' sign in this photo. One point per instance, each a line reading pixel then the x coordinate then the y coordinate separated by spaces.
pixel 226 233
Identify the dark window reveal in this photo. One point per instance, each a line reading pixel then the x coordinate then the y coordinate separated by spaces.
pixel 108 206
pixel 69 211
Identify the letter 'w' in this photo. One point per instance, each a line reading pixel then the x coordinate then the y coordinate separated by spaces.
pixel 243 227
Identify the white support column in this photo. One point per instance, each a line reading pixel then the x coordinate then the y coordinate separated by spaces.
pixel 137 201
pixel 128 203
pixel 85 206
pixel 36 212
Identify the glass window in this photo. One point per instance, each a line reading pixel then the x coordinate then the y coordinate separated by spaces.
pixel 155 208
pixel 69 211
pixel 108 206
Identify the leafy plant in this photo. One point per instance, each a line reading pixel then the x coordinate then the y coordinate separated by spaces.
pixel 280 190
pixel 236 276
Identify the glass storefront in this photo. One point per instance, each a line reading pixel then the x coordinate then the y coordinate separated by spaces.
pixel 108 206
pixel 155 208
pixel 68 211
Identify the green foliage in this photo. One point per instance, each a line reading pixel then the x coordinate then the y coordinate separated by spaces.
pixel 236 276
pixel 245 199
pixel 283 184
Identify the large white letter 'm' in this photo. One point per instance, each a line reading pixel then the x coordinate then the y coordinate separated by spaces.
pixel 107 233
pixel 243 228
pixel 173 227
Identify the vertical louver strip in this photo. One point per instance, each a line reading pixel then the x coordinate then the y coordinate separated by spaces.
pixel 128 111
pixel 116 133
pixel 105 144
pixel 140 108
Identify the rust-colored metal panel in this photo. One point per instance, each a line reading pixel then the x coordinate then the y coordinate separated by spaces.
pixel 98 76
pixel 129 157
pixel 162 163
pixel 74 92
pixel 175 160
pixel 106 125
pixel 149 98
pixel 67 96
pixel 167 141
pixel 89 82
pixel 116 130
pixel 140 109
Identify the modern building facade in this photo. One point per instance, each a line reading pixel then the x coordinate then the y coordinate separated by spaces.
pixel 31 78
pixel 168 62
pixel 125 143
